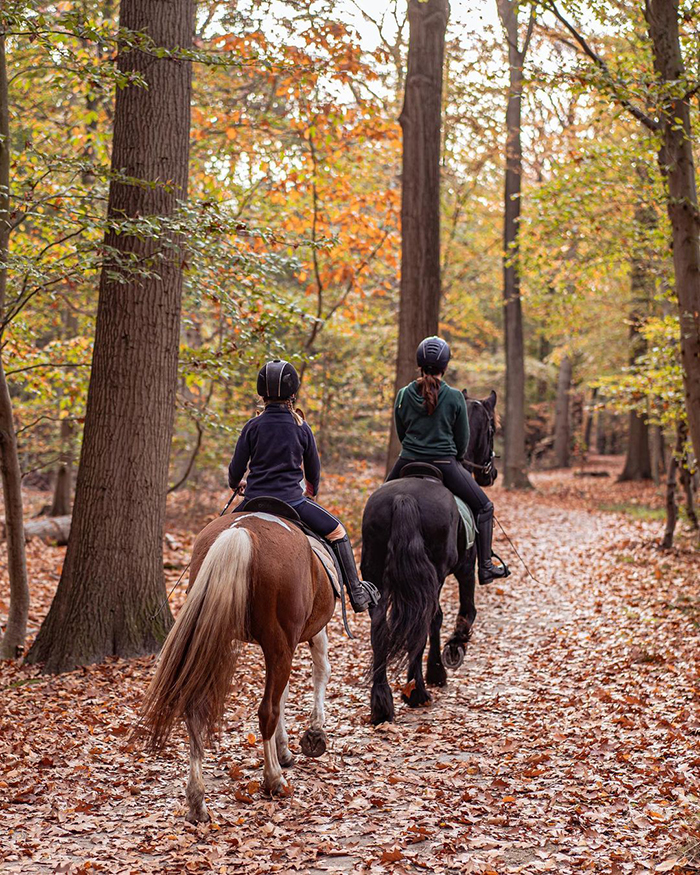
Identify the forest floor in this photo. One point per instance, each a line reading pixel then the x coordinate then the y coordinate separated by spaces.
pixel 567 742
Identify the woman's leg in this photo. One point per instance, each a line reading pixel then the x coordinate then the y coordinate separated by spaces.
pixel 461 483
pixel 362 593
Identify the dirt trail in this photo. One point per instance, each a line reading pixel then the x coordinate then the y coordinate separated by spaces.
pixel 567 741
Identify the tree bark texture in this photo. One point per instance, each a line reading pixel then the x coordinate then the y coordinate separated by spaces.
pixel 562 435
pixel 421 124
pixel 110 595
pixel 514 475
pixel 671 506
pixel 677 164
pixel 638 458
pixel 15 632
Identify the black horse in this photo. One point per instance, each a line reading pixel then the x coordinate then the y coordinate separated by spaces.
pixel 412 538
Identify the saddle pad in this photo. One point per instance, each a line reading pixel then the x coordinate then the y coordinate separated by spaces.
pixel 468 520
pixel 328 563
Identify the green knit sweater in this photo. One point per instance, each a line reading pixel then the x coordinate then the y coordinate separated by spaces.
pixel 443 434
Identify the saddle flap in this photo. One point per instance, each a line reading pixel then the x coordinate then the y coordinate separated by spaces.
pixel 268 504
pixel 421 469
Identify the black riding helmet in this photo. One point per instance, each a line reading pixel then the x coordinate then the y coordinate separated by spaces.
pixel 278 380
pixel 432 355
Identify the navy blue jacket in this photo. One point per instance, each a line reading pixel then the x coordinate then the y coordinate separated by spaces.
pixel 275 447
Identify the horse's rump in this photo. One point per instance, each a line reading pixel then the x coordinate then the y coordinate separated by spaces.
pixel 245 568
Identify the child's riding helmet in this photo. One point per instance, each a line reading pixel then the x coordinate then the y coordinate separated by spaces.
pixel 278 380
pixel 432 355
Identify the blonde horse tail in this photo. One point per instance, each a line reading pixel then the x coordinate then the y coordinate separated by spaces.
pixel 196 665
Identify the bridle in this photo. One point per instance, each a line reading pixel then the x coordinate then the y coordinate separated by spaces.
pixel 488 468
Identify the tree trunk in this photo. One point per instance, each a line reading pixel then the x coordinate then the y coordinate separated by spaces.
pixel 420 119
pixel 590 418
pixel 12 642
pixel 638 458
pixel 514 474
pixel 561 415
pixel 112 588
pixel 671 506
pixel 60 506
pixel 677 163
pixel 657 453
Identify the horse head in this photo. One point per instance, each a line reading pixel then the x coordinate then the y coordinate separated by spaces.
pixel 479 458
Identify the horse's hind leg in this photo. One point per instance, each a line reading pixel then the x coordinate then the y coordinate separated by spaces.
pixel 418 695
pixel 313 741
pixel 435 675
pixel 278 665
pixel 382 702
pixel 284 754
pixel 195 786
pixel 455 649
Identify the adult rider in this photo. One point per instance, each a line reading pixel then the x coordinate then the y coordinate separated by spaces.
pixel 433 426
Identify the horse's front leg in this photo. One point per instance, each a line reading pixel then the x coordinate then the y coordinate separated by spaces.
pixel 435 675
pixel 197 812
pixel 455 649
pixel 313 741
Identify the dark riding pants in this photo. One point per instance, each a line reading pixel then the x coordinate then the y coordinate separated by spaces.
pixel 456 478
pixel 316 517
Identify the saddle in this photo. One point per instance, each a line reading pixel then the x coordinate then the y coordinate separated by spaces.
pixel 424 470
pixel 277 507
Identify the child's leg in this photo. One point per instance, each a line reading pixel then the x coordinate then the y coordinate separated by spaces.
pixel 362 594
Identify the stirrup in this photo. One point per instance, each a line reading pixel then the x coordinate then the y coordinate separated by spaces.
pixel 503 567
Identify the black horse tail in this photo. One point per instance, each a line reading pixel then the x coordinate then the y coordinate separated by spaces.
pixel 410 582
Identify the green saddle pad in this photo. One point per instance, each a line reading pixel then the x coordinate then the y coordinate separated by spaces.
pixel 468 520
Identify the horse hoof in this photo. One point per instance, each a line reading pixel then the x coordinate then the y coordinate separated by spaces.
pixel 275 787
pixel 313 742
pixel 199 816
pixel 416 699
pixel 453 655
pixel 436 676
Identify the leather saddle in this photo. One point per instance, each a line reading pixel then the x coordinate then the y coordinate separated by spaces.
pixel 422 469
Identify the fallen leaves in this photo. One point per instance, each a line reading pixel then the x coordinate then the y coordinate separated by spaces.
pixel 566 743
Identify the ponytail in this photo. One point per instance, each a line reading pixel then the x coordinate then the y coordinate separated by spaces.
pixel 429 386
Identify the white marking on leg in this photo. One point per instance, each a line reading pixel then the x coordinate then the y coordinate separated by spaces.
pixel 273 780
pixel 321 675
pixel 284 755
pixel 195 785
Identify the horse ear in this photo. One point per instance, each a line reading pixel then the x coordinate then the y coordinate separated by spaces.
pixel 491 400
pixel 465 393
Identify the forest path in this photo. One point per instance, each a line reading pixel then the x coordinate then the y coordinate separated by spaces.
pixel 567 741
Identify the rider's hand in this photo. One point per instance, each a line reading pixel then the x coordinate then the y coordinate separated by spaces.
pixel 309 490
pixel 240 489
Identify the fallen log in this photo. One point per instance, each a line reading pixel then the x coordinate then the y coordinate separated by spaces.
pixel 53 530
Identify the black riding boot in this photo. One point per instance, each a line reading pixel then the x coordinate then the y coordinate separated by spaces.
pixel 362 593
pixel 484 535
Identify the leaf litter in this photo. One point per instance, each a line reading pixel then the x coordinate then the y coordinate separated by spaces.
pixel 566 743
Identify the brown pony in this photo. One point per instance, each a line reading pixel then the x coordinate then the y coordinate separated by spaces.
pixel 254 577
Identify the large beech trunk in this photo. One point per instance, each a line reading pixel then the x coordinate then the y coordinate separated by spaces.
pixel 110 597
pixel 514 475
pixel 13 640
pixel 421 122
pixel 562 432
pixel 677 163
